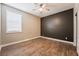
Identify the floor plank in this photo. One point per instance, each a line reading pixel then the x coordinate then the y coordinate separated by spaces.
pixel 40 47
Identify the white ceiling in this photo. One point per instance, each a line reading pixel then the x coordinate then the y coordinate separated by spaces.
pixel 54 8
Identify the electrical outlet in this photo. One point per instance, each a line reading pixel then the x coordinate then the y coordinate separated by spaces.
pixel 66 38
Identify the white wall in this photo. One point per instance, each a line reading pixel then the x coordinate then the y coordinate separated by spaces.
pixel 77 5
pixel 30 26
pixel 77 10
pixel 0 25
pixel 78 34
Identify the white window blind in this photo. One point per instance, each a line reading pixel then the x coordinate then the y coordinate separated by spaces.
pixel 13 22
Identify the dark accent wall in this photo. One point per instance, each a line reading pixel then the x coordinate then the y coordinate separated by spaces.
pixel 59 25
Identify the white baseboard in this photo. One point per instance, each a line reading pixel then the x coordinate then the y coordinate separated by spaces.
pixel 74 44
pixel 57 40
pixel 4 45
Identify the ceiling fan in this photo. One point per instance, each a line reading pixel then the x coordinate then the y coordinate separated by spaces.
pixel 42 8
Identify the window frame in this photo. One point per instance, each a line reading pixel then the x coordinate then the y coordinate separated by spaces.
pixel 14 31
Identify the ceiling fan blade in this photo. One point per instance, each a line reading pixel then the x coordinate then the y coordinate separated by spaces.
pixel 34 9
pixel 43 5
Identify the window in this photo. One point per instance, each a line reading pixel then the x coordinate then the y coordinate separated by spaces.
pixel 13 22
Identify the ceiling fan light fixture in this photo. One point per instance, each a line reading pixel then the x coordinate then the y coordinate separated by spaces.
pixel 42 8
pixel 43 5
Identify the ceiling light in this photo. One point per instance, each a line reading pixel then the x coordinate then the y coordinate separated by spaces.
pixel 42 8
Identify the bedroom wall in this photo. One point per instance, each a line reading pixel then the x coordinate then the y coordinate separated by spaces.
pixel 30 26
pixel 77 23
pixel 59 25
pixel 0 24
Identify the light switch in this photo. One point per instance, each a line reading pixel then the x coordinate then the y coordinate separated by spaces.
pixel 66 38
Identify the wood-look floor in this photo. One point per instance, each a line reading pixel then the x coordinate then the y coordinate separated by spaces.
pixel 40 47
